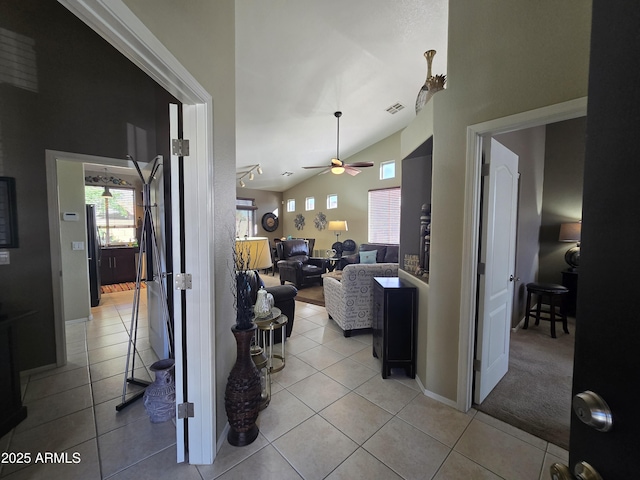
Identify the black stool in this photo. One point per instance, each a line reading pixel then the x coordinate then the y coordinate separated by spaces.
pixel 555 293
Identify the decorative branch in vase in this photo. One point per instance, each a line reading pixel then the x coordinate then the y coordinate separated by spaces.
pixel 243 395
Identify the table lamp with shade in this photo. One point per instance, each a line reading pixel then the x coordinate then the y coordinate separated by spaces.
pixel 337 226
pixel 251 254
pixel 570 232
pixel 243 394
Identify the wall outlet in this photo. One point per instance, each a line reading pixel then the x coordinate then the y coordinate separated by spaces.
pixel 77 245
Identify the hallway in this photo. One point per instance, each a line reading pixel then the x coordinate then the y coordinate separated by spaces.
pixel 331 416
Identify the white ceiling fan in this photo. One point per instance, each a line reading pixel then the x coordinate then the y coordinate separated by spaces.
pixel 337 166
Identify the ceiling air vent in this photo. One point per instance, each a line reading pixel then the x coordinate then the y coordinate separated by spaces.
pixel 395 108
pixel 287 174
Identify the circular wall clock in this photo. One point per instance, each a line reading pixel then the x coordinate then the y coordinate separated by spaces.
pixel 270 222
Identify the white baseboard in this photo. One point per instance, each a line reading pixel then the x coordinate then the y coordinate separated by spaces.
pixel 79 320
pixel 435 396
pixel 222 438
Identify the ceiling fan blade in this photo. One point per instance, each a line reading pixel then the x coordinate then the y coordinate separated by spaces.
pixel 359 164
pixel 351 171
pixel 323 166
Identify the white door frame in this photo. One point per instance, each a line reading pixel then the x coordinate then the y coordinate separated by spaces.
pixel 113 20
pixel 471 234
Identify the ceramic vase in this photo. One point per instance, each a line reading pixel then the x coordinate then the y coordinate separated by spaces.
pixel 243 395
pixel 160 396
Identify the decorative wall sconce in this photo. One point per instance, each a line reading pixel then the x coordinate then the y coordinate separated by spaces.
pixel 252 168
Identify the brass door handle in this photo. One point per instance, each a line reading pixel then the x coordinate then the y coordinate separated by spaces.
pixel 582 471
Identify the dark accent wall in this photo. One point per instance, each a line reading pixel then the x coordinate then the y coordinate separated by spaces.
pixel 65 89
pixel 416 191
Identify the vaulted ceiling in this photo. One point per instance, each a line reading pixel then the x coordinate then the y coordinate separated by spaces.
pixel 299 61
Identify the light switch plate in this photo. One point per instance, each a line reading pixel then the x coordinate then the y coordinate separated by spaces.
pixel 77 245
pixel 4 257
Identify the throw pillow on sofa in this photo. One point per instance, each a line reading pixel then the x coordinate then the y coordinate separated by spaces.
pixel 368 257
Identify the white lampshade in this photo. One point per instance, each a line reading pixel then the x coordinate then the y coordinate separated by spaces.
pixel 253 253
pixel 338 226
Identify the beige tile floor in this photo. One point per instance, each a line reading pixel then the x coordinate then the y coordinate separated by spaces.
pixel 331 416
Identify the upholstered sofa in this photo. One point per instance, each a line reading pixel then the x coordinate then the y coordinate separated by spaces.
pixel 385 253
pixel 349 300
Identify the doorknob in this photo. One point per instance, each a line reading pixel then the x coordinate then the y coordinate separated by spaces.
pixel 582 471
pixel 592 410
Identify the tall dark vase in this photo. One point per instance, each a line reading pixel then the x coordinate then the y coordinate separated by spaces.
pixel 243 393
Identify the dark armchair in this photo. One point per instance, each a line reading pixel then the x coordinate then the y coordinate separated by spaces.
pixel 296 266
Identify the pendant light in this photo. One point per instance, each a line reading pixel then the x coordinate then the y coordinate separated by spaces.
pixel 337 168
pixel 106 192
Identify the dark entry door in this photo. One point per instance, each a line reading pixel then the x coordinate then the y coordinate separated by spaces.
pixel 607 358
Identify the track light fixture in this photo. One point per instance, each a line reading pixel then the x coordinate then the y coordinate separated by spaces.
pixel 249 173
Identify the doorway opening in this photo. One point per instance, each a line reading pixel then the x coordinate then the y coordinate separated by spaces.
pixel 477 135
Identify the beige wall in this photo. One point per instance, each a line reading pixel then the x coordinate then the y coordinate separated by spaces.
pixel 201 35
pixel 544 62
pixel 352 195
pixel 75 275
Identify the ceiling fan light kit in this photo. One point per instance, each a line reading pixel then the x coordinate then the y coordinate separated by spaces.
pixel 337 166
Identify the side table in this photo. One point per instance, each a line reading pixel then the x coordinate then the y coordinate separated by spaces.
pixel 12 412
pixel 333 263
pixel 267 328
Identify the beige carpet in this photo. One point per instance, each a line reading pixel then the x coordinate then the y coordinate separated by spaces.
pixel 535 394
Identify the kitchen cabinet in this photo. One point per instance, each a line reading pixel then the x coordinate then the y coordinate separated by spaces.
pixel 118 265
pixel 394 324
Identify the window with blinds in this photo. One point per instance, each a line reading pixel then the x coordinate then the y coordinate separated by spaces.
pixel 384 215
pixel 115 215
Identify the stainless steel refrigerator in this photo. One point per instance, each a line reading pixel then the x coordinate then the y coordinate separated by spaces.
pixel 94 253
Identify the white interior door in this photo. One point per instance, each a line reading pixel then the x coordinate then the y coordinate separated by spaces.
pixel 156 286
pixel 177 228
pixel 498 240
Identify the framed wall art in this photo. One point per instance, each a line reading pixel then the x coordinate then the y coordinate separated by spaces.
pixel 8 213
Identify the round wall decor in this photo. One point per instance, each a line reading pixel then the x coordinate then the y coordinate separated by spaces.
pixel 299 221
pixel 270 222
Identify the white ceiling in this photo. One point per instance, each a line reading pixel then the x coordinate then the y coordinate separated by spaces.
pixel 299 61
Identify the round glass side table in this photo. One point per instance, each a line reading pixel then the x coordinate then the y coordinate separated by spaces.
pixel 267 328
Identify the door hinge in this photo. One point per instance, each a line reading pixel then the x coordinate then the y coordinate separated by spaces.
pixel 180 147
pixel 183 281
pixel 185 410
pixel 476 365
pixel 482 267
pixel 484 171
